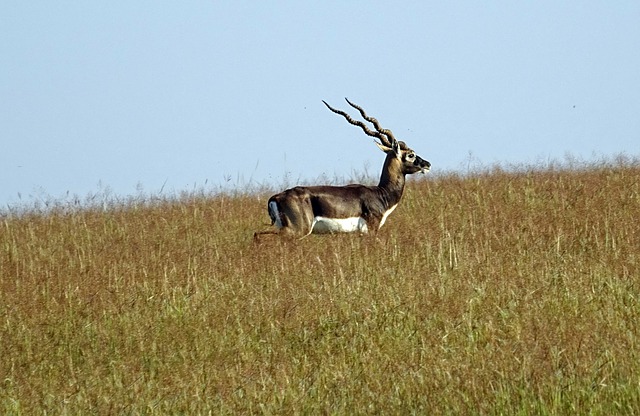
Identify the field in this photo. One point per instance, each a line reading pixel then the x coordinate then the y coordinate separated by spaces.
pixel 494 292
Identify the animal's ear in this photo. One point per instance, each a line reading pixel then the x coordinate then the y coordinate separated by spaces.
pixel 383 147
pixel 394 149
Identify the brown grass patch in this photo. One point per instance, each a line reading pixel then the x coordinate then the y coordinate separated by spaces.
pixel 497 292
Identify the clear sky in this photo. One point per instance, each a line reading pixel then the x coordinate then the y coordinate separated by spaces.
pixel 147 95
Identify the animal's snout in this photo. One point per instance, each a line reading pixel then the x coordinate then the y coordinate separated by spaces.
pixel 423 164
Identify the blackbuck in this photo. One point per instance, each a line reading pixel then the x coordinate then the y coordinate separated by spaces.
pixel 303 210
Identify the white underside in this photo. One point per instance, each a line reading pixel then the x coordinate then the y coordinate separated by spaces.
pixel 323 225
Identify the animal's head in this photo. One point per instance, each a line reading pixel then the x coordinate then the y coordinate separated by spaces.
pixel 409 160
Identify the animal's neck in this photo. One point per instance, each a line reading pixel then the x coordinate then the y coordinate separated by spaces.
pixel 392 180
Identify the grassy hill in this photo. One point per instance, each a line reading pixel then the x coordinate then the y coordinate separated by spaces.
pixel 493 292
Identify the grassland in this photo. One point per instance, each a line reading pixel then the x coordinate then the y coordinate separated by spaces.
pixel 496 292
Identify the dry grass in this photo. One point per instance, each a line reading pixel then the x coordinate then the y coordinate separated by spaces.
pixel 494 293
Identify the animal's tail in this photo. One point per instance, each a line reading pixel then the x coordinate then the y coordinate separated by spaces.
pixel 275 213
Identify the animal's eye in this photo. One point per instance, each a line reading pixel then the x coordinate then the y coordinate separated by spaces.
pixel 411 156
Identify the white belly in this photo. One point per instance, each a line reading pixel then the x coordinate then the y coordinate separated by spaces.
pixel 323 225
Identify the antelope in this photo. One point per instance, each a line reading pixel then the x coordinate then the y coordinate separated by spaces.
pixel 304 210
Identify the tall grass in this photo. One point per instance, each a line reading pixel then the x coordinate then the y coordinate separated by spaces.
pixel 495 292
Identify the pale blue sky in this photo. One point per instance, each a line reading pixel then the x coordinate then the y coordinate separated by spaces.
pixel 145 93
